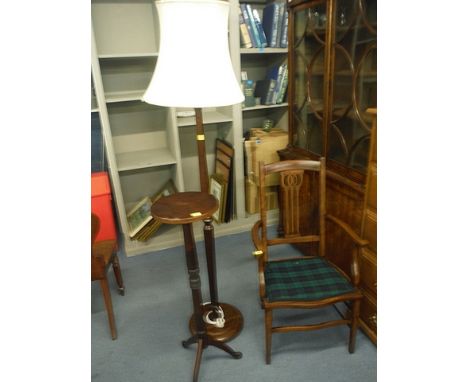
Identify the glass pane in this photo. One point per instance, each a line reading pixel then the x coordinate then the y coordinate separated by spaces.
pixel 355 81
pixel 309 50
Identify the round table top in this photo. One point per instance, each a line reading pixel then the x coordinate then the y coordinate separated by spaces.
pixel 184 207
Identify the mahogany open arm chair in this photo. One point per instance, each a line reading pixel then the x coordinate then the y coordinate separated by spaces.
pixel 306 281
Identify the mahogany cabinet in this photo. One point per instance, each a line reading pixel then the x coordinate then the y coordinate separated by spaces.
pixel 332 83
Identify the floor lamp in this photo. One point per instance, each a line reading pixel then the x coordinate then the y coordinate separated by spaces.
pixel 194 70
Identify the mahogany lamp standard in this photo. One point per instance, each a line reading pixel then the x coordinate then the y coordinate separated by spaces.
pixel 194 69
pixel 185 208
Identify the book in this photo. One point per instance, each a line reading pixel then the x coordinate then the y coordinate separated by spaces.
pixel 139 216
pixel 244 33
pixel 270 23
pixel 248 24
pixel 282 11
pixel 284 31
pixel 261 32
pixel 254 27
pixel 265 89
pixel 276 73
pixel 283 86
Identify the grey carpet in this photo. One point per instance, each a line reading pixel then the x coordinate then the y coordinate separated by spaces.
pixel 152 320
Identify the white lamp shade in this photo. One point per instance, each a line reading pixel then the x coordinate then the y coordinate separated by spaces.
pixel 194 67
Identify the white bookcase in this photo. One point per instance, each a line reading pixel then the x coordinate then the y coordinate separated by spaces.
pixel 146 145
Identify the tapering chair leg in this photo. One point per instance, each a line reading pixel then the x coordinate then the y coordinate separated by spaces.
pixel 354 325
pixel 108 303
pixel 118 274
pixel 268 324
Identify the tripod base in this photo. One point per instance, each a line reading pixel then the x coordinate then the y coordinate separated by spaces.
pixel 232 327
pixel 204 341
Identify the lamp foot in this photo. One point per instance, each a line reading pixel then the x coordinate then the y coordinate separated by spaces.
pixel 234 322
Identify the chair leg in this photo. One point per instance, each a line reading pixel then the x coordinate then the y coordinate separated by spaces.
pixel 118 274
pixel 354 325
pixel 108 303
pixel 268 324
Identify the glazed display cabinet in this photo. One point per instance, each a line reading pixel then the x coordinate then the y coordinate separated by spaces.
pixel 333 82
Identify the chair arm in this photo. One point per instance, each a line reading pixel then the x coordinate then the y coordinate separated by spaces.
pixel 255 238
pixel 360 243
pixel 259 253
pixel 351 233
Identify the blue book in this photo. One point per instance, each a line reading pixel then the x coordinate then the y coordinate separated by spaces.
pixel 252 24
pixel 244 32
pixel 274 73
pixel 261 32
pixel 284 87
pixel 249 24
pixel 270 23
pixel 282 8
pixel 284 31
pixel 265 89
pixel 277 73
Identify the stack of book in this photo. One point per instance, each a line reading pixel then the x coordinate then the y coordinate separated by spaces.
pixel 272 89
pixel 248 90
pixel 271 30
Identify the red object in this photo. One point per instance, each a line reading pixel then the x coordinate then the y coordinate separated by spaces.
pixel 101 205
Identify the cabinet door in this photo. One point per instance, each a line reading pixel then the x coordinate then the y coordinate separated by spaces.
pixel 308 77
pixel 354 87
pixel 334 80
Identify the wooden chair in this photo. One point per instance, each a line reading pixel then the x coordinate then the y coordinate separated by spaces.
pixel 103 254
pixel 307 281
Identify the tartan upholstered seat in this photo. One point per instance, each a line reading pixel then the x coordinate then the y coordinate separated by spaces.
pixel 303 280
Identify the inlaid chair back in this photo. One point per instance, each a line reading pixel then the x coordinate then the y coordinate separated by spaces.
pixel 291 177
pixel 296 281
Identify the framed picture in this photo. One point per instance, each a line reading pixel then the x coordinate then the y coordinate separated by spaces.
pixel 146 231
pixel 150 229
pixel 139 216
pixel 218 188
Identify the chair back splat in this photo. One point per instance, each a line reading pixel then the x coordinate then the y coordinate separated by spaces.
pixel 305 281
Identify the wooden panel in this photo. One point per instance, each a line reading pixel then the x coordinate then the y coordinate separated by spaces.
pixel 370 229
pixel 368 268
pixel 369 312
pixel 345 201
pixel 372 185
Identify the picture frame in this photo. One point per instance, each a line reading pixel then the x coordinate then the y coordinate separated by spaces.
pixel 146 231
pixel 139 216
pixel 218 188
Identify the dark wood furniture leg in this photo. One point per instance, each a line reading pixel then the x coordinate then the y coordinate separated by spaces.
pixel 108 303
pixel 200 336
pixel 118 274
pixel 208 232
pixel 234 321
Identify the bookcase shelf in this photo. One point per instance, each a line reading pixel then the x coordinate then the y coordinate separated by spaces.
pixel 260 107
pixel 145 158
pixel 263 50
pixel 148 145
pixel 124 96
pixel 209 117
pixel 128 55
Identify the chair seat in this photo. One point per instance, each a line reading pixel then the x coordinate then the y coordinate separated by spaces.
pixel 105 249
pixel 304 280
